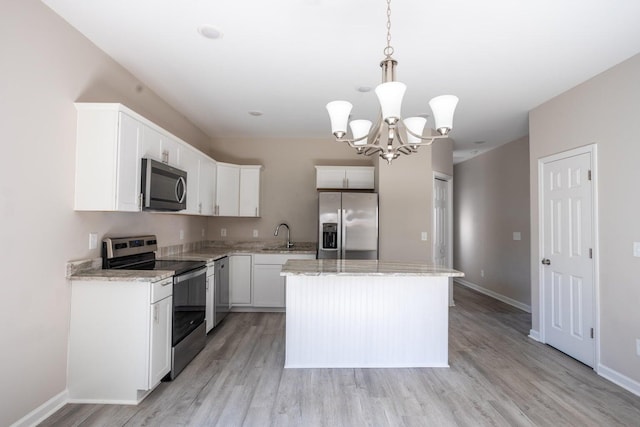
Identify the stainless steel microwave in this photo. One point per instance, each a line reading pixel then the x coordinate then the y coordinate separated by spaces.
pixel 164 188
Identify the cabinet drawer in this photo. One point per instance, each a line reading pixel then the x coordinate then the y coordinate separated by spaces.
pixel 161 289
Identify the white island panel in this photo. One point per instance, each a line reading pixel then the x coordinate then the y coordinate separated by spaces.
pixel 339 321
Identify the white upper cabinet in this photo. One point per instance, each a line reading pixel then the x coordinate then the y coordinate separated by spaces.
pixel 111 142
pixel 159 146
pixel 190 162
pixel 227 190
pixel 249 191
pixel 107 160
pixel 237 190
pixel 345 177
pixel 207 186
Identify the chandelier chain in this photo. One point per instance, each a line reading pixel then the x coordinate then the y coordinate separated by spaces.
pixel 388 51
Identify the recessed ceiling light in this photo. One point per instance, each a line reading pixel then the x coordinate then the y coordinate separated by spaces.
pixel 479 142
pixel 364 89
pixel 256 113
pixel 210 32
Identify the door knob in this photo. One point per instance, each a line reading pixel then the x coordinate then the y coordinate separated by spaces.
pixel 546 261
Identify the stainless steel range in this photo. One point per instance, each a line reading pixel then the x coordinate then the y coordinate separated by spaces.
pixel 189 292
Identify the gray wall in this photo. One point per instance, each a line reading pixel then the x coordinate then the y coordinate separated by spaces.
pixel 603 110
pixel 46 66
pixel 288 184
pixel 406 202
pixel 491 201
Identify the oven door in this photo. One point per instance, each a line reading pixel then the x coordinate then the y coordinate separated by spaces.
pixel 189 301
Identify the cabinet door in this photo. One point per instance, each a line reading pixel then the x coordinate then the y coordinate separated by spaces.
pixel 129 164
pixel 330 177
pixel 361 177
pixel 268 286
pixel 190 162
pixel 160 343
pixel 210 299
pixel 206 188
pixel 151 144
pixel 240 279
pixel 249 191
pixel 227 190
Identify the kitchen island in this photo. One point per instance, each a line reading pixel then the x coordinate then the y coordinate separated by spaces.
pixel 366 314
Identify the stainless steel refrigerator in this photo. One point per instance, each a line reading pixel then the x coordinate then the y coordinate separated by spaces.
pixel 347 225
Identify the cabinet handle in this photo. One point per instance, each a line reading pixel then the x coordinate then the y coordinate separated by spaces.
pixel 256 211
pixel 140 202
pixel 155 313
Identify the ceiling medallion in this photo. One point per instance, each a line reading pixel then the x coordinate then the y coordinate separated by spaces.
pixel 391 135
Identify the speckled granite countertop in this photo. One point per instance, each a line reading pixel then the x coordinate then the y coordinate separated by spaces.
pixel 210 254
pixel 325 267
pixel 91 269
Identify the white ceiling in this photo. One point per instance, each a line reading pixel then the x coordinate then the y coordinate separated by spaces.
pixel 288 58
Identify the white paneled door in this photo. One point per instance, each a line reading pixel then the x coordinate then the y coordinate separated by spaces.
pixel 442 221
pixel 567 265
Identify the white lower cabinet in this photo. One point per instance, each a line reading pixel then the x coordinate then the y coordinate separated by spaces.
pixel 268 285
pixel 160 355
pixel 119 340
pixel 209 321
pixel 240 280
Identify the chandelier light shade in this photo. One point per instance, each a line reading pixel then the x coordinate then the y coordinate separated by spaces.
pixel 390 97
pixel 360 130
pixel 443 107
pixel 415 126
pixel 391 135
pixel 339 115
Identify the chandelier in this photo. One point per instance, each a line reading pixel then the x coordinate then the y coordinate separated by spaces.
pixel 391 135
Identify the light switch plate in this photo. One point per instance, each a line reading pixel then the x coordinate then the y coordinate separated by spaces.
pixel 638 346
pixel 181 234
pixel 636 249
pixel 255 233
pixel 517 235
pixel 423 236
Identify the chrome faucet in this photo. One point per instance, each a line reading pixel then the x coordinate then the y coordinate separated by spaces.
pixel 289 244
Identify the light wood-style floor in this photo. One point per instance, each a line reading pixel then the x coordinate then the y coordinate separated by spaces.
pixel 498 377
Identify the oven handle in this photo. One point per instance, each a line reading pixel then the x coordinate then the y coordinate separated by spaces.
pixel 186 276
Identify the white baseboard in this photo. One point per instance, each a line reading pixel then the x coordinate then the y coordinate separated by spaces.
pixel 534 335
pixel 492 294
pixel 617 378
pixel 43 411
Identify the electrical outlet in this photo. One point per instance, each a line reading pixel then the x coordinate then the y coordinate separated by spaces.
pixel 93 240
pixel 423 236
pixel 181 234
pixel 636 249
pixel 517 235
pixel 255 233
pixel 481 273
pixel 203 232
pixel 223 232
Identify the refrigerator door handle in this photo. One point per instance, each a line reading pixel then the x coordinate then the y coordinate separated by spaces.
pixel 343 233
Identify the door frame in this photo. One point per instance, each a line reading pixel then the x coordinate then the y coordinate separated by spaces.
pixel 449 180
pixel 591 149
